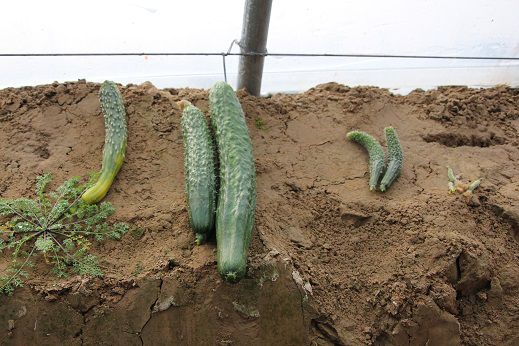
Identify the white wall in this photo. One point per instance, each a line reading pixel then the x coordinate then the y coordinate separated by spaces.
pixel 422 27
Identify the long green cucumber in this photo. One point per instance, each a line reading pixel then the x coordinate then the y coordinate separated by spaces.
pixel 237 197
pixel 115 141
pixel 395 158
pixel 199 170
pixel 375 152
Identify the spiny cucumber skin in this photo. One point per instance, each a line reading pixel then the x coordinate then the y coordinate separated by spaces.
pixel 199 170
pixel 395 158
pixel 375 152
pixel 237 197
pixel 116 137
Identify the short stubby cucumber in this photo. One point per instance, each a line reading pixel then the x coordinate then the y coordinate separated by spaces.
pixel 199 170
pixel 237 194
pixel 375 152
pixel 395 158
pixel 115 141
pixel 452 180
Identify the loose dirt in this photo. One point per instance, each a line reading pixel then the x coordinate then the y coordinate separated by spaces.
pixel 330 262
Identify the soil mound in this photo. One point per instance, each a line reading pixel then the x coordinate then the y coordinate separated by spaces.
pixel 330 263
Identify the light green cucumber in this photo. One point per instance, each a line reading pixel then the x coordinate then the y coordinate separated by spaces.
pixel 115 141
pixel 395 158
pixel 237 194
pixel 375 152
pixel 474 185
pixel 199 170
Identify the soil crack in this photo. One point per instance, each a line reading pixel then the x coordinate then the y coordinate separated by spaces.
pixel 150 311
pixel 458 276
pixel 319 144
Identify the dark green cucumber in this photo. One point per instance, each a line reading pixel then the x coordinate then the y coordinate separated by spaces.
pixel 375 152
pixel 115 141
pixel 199 170
pixel 395 158
pixel 237 196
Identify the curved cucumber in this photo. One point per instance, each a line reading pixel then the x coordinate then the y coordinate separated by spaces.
pixel 237 198
pixel 375 152
pixel 395 158
pixel 115 141
pixel 199 170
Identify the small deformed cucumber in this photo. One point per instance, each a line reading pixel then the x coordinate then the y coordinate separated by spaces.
pixel 395 158
pixel 451 176
pixel 474 185
pixel 375 152
pixel 453 181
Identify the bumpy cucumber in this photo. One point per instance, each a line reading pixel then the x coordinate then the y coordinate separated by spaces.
pixel 394 156
pixel 237 197
pixel 474 185
pixel 375 152
pixel 450 175
pixel 115 141
pixel 452 180
pixel 199 170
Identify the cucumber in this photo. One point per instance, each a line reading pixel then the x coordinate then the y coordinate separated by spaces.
pixel 395 158
pixel 199 170
pixel 450 175
pixel 452 180
pixel 237 195
pixel 115 141
pixel 474 185
pixel 375 152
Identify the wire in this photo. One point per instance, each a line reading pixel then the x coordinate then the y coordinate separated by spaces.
pixel 260 54
pixel 224 54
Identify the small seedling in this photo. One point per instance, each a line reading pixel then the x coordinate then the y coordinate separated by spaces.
pixel 260 123
pixel 57 225
pixel 137 233
pixel 138 269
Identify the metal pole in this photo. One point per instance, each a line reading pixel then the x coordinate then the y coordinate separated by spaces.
pixel 254 34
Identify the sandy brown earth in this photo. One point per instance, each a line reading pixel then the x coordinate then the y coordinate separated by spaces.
pixel 330 263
